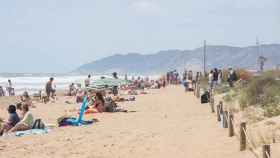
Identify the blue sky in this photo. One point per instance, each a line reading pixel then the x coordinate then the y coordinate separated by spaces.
pixel 60 35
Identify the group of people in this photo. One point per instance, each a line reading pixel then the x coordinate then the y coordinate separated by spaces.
pixel 189 79
pixel 216 76
pixel 172 77
pixel 20 119
pixel 9 89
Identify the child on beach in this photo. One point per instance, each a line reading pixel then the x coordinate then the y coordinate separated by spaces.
pixel 12 121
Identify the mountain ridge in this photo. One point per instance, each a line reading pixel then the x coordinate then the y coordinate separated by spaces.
pixel 220 56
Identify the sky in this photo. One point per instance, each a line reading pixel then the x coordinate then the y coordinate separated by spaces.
pixel 60 35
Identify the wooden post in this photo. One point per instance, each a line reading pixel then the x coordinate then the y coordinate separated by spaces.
pixel 225 119
pixel 222 107
pixel 194 90
pixel 198 91
pixel 266 151
pixel 212 103
pixel 242 136
pixel 211 100
pixel 231 128
pixel 218 112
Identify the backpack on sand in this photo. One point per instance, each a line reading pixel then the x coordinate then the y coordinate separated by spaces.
pixel 38 124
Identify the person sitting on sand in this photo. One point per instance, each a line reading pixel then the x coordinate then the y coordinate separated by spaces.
pixel 27 121
pixel 80 95
pixel 12 121
pixel 99 102
pixel 25 99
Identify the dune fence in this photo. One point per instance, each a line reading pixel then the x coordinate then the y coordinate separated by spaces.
pixel 226 119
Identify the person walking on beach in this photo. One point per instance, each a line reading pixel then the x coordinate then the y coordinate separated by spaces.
pixel 10 88
pixel 87 81
pixel 50 90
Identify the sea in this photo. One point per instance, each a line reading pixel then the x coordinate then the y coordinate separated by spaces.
pixel 32 83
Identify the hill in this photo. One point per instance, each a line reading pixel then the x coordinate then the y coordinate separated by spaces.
pixel 217 56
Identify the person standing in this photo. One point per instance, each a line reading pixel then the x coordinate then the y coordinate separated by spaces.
pixel 220 77
pixel 115 87
pixel 10 88
pixel 210 78
pixel 215 77
pixel 50 90
pixel 87 81
pixel 232 77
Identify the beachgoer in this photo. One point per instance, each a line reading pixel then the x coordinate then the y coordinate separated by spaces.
pixel 232 77
pixel 10 88
pixel 80 95
pixel 99 102
pixel 210 79
pixel 2 92
pixel 220 77
pixel 125 77
pixel 25 99
pixel 115 88
pixel 115 75
pixel 27 121
pixel 50 90
pixel 72 90
pixel 215 77
pixel 87 81
pixel 12 121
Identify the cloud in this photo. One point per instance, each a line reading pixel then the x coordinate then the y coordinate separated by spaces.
pixel 146 7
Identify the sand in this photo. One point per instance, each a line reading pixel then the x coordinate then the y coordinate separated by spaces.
pixel 165 123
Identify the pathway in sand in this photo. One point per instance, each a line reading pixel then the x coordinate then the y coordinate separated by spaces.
pixel 167 123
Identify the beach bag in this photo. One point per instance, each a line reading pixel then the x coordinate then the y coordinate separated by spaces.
pixel 38 124
pixel 205 97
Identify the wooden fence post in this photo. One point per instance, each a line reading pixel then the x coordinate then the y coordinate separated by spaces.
pixel 266 151
pixel 231 128
pixel 198 91
pixel 242 136
pixel 218 112
pixel 225 119
pixel 222 107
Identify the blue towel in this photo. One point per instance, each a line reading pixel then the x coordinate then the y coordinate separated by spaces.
pixel 78 121
pixel 31 132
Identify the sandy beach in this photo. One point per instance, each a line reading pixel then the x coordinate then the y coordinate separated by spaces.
pixel 162 124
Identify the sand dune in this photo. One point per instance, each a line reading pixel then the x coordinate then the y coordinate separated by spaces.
pixel 166 123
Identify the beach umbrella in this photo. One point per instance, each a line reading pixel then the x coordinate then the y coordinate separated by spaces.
pixel 107 83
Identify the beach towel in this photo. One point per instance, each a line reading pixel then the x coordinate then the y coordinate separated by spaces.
pixel 31 132
pixel 76 121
